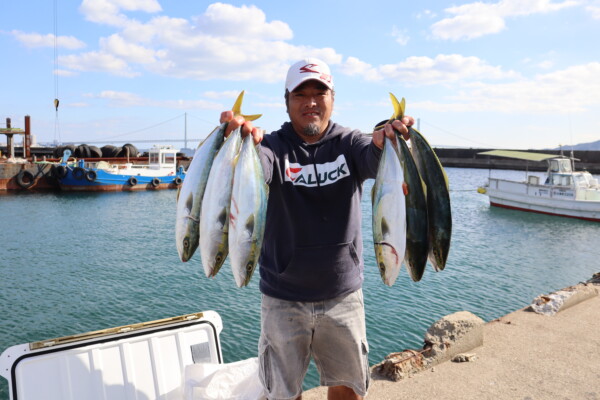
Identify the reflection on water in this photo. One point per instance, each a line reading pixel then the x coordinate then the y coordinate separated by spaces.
pixel 73 263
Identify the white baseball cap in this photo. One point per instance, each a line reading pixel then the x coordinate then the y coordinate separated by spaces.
pixel 308 68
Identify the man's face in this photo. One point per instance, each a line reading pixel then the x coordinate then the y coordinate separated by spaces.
pixel 309 107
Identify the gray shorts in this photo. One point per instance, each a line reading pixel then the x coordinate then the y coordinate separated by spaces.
pixel 331 331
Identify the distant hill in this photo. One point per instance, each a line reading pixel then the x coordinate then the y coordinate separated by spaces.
pixel 581 146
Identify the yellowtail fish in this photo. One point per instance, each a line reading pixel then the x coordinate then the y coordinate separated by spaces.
pixel 214 216
pixel 439 212
pixel 247 215
pixel 438 199
pixel 389 214
pixel 417 241
pixel 191 192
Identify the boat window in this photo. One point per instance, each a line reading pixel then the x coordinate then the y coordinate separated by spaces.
pixel 554 165
pixel 169 158
pixel 565 165
pixel 556 179
pixel 153 158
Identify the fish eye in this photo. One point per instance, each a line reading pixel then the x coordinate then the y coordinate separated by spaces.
pixel 186 243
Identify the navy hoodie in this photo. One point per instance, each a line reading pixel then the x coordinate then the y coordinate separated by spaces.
pixel 312 248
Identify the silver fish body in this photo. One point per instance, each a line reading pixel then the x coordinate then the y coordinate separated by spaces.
pixel 389 214
pixel 191 192
pixel 417 241
pixel 214 215
pixel 247 215
pixel 438 199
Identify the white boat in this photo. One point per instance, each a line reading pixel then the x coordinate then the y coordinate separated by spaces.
pixel 564 192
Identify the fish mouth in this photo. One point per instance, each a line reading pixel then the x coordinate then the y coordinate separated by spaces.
pixel 391 248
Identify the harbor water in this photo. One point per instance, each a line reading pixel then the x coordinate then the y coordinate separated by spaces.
pixel 78 262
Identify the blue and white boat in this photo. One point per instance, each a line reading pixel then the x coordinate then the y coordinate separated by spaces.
pixel 161 172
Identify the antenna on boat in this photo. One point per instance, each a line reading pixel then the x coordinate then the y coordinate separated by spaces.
pixel 55 72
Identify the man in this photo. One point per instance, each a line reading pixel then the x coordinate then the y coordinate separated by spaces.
pixel 311 264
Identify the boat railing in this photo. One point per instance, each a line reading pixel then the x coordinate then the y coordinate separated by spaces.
pixel 553 189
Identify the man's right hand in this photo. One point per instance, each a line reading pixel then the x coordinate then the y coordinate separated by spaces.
pixel 237 121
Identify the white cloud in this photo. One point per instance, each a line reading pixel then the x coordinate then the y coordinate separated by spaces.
pixel 97 61
pixel 573 90
pixel 249 22
pixel 62 72
pixel 426 14
pixel 225 42
pixel 401 36
pixel 109 11
pixel 444 68
pixel 132 52
pixel 546 64
pixel 477 19
pixel 594 11
pixel 39 40
pixel 355 67
pixel 127 99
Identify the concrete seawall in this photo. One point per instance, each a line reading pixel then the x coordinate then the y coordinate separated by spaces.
pixel 469 158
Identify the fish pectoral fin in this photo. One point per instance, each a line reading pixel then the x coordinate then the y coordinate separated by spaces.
pixel 249 225
pixel 189 202
pixel 222 218
pixel 385 228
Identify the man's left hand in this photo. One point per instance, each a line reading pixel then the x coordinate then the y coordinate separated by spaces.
pixel 388 130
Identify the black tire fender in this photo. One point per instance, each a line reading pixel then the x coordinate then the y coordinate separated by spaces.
pixel 155 182
pixel 59 171
pixel 91 175
pixel 177 181
pixel 132 181
pixel 25 179
pixel 78 173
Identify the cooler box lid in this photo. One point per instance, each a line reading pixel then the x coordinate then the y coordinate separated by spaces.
pixel 139 361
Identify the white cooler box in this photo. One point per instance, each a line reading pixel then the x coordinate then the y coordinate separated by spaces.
pixel 150 360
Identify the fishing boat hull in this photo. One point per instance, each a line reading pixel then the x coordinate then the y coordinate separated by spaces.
pixel 161 172
pixel 544 199
pixel 97 180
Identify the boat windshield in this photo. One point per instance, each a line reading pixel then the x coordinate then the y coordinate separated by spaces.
pixel 560 165
pixel 585 180
pixel 561 180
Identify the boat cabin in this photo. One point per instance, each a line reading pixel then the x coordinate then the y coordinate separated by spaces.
pixel 164 156
pixel 560 173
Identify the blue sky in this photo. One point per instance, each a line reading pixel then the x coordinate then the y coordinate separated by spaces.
pixel 521 74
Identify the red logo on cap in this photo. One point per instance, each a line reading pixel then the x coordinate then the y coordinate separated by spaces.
pixel 307 68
